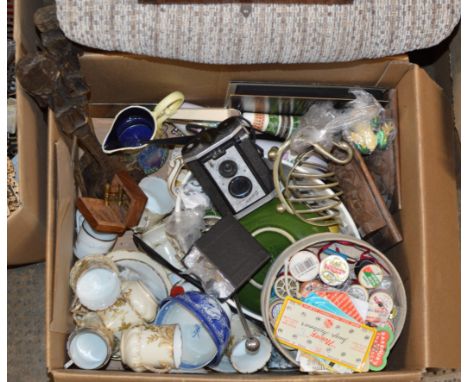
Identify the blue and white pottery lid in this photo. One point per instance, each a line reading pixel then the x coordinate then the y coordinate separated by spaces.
pixel 210 313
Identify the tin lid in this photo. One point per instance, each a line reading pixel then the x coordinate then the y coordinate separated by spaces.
pixel 380 307
pixel 275 308
pixel 361 264
pixel 371 276
pixel 334 270
pixel 358 291
pixel 283 291
pixel 304 266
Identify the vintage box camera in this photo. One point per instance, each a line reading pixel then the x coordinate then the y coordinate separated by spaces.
pixel 230 169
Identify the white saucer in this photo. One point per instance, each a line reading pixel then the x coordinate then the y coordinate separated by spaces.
pixel 134 265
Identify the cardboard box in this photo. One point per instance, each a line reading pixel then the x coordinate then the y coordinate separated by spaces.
pixel 428 259
pixel 27 225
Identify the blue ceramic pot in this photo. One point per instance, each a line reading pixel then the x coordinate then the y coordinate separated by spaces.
pixel 208 311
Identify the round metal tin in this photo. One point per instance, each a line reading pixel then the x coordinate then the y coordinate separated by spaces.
pixel 317 241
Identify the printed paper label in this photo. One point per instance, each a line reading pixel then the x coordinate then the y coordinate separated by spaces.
pixel 315 331
pixel 380 348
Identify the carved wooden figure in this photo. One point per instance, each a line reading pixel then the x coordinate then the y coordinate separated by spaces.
pixel 52 76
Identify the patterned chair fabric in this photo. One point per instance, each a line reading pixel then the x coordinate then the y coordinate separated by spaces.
pixel 229 32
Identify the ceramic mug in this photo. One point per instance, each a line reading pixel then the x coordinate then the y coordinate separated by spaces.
pixel 242 360
pixel 160 202
pixel 135 306
pixel 90 345
pixel 150 347
pixel 91 242
pixel 95 281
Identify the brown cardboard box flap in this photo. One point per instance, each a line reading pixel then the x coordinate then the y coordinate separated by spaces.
pixel 116 376
pixel 26 227
pixel 430 225
pixel 149 79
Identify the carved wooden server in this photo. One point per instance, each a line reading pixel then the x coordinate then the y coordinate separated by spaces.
pixel 364 202
pixel 52 76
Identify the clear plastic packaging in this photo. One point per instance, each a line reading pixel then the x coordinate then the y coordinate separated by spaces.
pixel 316 128
pixel 213 281
pixel 362 122
pixel 185 225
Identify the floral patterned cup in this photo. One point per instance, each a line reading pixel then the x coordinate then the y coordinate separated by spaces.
pixel 135 306
pixel 95 281
pixel 150 347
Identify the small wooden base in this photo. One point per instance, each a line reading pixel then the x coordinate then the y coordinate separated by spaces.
pixel 121 208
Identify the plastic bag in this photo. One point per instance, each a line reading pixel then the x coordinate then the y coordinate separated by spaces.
pixel 213 281
pixel 185 225
pixel 316 128
pixel 363 123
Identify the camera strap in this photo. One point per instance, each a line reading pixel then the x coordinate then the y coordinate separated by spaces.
pixel 201 134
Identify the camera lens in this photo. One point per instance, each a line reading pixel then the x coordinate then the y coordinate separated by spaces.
pixel 240 187
pixel 228 168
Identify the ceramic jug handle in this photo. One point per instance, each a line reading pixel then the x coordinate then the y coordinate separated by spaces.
pixel 167 107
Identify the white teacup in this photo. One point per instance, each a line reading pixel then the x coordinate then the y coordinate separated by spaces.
pixel 91 344
pixel 89 348
pixel 241 359
pixel 91 242
pixel 160 202
pixel 95 281
pixel 151 347
pixel 136 306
